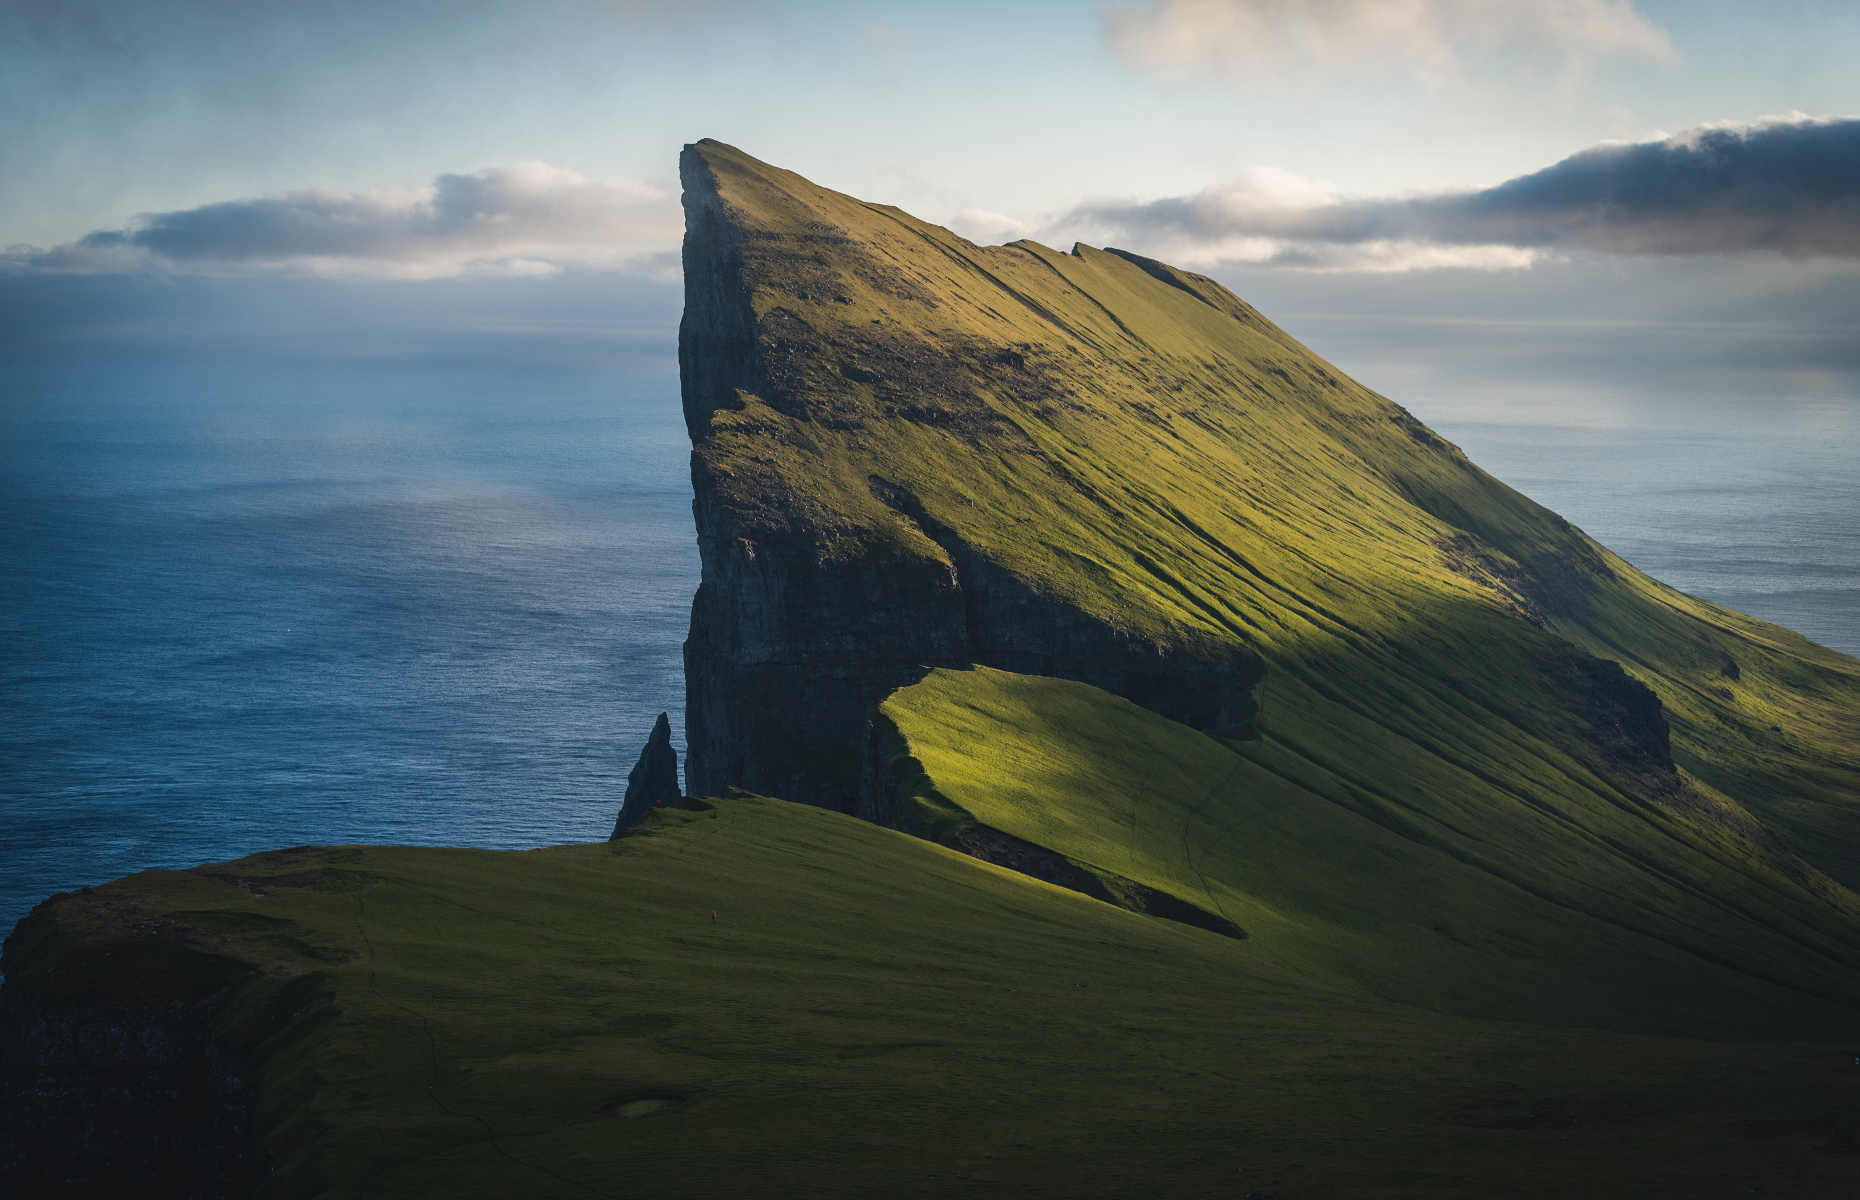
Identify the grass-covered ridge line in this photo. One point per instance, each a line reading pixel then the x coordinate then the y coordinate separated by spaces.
pixel 868 1014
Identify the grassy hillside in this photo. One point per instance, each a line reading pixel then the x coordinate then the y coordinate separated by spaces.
pixel 870 1013
pixel 1590 932
pixel 1635 808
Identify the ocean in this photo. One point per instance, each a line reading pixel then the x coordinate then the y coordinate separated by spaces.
pixel 250 605
pixel 247 607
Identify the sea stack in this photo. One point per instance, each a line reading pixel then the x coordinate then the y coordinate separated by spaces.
pixel 653 782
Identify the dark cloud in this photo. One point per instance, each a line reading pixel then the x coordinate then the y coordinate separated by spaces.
pixel 1790 187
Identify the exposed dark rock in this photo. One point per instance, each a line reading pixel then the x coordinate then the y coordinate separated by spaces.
pixel 1556 577
pixel 1005 850
pixel 1506 579
pixel 716 336
pixel 1626 727
pixel 653 782
pixel 129 1059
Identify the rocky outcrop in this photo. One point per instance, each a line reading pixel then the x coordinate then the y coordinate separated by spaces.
pixel 653 782
pixel 1624 726
pixel 1005 850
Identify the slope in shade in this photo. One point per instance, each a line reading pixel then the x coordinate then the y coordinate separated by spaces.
pixel 870 1013
pixel 910 451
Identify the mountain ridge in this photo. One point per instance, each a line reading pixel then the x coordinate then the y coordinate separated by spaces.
pixel 921 455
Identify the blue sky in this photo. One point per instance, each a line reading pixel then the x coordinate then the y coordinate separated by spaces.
pixel 119 108
pixel 1332 159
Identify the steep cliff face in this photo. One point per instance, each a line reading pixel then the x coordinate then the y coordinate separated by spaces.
pixel 792 639
pixel 131 1050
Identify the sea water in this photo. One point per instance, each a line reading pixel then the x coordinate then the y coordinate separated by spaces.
pixel 249 605
pixel 1747 511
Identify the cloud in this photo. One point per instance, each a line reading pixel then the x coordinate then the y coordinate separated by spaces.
pixel 1787 186
pixel 1431 38
pixel 988 228
pixel 1790 185
pixel 524 220
pixel 1383 256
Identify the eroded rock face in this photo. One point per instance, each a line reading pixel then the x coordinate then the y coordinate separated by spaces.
pixel 653 782
pixel 1624 723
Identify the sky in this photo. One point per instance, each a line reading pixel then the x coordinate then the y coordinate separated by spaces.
pixel 1494 201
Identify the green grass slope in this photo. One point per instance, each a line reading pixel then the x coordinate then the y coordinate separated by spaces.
pixel 1329 894
pixel 872 1014
pixel 1133 443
